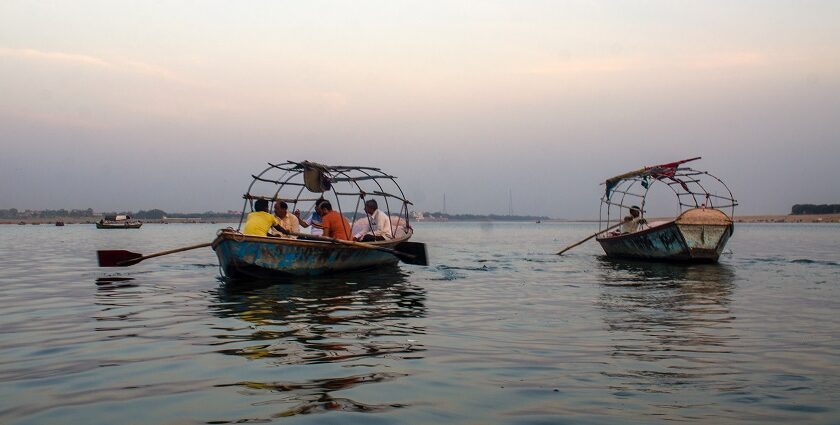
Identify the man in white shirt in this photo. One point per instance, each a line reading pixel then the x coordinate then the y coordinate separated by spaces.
pixel 379 224
pixel 633 222
pixel 314 220
pixel 286 220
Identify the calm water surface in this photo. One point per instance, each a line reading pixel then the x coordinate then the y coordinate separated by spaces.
pixel 496 330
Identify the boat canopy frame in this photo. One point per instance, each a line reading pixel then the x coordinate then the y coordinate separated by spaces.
pixel 692 189
pixel 287 182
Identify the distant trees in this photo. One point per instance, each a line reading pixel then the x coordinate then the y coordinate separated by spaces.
pixel 483 217
pixel 10 213
pixel 14 213
pixel 800 209
pixel 64 213
pixel 154 214
pixel 204 215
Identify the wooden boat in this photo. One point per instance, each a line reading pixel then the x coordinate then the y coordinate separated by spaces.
pixel 116 225
pixel 260 257
pixel 118 222
pixel 59 223
pixel 698 234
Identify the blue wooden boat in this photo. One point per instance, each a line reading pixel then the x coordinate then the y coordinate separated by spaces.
pixel 304 184
pixel 698 234
pixel 254 257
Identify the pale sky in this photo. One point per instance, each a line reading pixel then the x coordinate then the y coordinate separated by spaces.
pixel 119 105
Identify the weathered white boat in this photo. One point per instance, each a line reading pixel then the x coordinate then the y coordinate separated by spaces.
pixel 698 234
pixel 118 222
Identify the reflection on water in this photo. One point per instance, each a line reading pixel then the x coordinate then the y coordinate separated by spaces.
pixel 326 320
pixel 111 282
pixel 363 319
pixel 670 324
pixel 315 396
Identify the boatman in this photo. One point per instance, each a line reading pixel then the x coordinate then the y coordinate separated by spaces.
pixel 379 224
pixel 632 222
pixel 260 221
pixel 287 221
pixel 335 225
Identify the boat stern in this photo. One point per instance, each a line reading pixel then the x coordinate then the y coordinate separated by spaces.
pixel 705 231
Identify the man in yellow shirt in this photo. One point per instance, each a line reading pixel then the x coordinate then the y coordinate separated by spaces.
pixel 260 220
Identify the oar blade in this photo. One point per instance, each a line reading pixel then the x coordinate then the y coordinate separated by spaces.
pixel 416 253
pixel 117 258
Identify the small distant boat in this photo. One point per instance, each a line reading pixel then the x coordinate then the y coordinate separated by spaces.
pixel 118 222
pixel 59 223
pixel 244 257
pixel 698 234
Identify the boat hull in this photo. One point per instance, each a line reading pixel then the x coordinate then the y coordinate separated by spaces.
pixel 697 235
pixel 254 257
pixel 133 225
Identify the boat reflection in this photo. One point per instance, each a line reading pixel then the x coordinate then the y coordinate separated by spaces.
pixel 108 282
pixel 669 324
pixel 365 320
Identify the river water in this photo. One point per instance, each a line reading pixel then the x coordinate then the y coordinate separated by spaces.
pixel 496 330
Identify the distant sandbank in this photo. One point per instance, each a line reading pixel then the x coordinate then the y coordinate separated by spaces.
pixel 802 218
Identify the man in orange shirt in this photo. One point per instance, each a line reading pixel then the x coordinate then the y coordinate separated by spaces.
pixel 335 225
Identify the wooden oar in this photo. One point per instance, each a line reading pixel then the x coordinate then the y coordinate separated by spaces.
pixel 122 258
pixel 588 238
pixel 417 254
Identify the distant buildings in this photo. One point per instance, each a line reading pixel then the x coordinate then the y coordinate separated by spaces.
pixel 418 216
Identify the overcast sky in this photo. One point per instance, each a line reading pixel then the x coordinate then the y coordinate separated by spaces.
pixel 120 105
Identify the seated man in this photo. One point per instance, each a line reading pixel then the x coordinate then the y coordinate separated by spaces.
pixel 286 220
pixel 379 225
pixel 260 220
pixel 633 222
pixel 335 225
pixel 314 219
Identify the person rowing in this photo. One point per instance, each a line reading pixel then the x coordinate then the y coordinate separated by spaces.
pixel 633 222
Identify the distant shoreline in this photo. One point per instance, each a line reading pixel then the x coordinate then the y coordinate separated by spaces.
pixel 804 218
pixel 90 220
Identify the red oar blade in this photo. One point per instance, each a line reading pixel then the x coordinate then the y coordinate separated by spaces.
pixel 117 258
